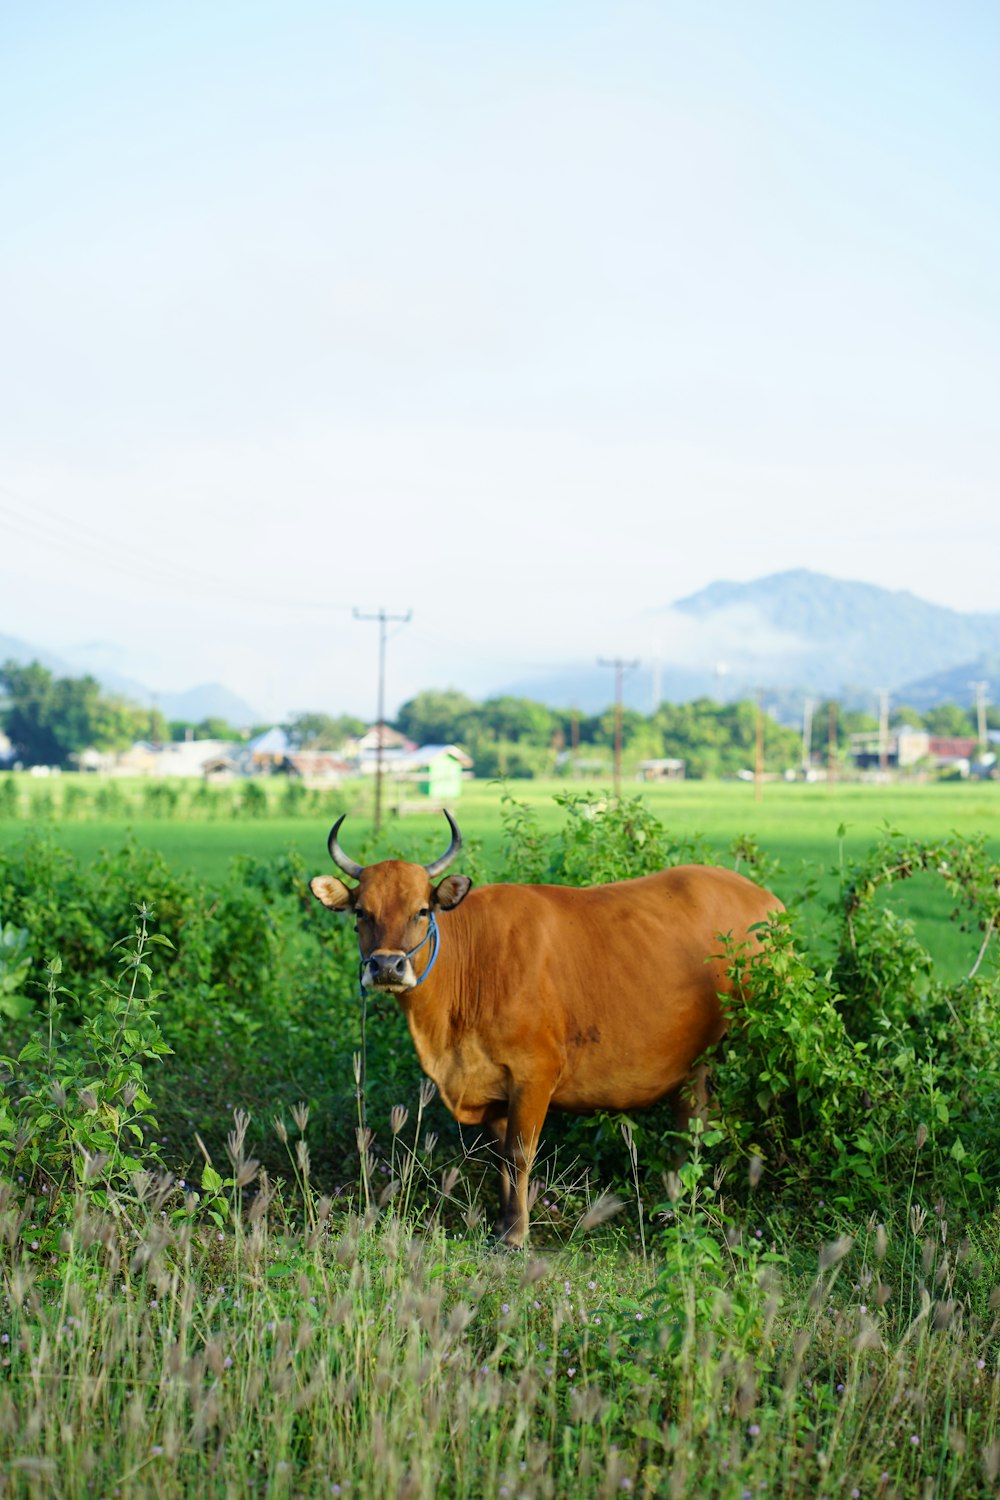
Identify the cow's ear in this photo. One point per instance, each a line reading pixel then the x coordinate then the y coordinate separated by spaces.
pixel 452 890
pixel 332 892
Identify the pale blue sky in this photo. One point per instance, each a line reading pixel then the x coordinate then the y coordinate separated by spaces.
pixel 528 318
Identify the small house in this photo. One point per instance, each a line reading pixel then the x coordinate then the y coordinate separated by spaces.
pixel 665 769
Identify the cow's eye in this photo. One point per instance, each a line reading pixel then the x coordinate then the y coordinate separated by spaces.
pixel 360 916
pixel 423 912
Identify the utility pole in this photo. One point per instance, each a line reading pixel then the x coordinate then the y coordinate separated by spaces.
pixel 807 726
pixel 883 729
pixel 980 689
pixel 621 667
pixel 758 767
pixel 831 743
pixel 383 620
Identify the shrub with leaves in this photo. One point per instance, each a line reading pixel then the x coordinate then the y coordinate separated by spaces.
pixel 74 1106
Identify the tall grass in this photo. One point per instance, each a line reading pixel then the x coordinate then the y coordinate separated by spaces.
pixel 297 1351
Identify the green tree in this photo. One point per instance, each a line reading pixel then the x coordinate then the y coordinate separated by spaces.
pixel 314 731
pixel 518 719
pixel 30 712
pixel 437 717
pixel 50 720
pixel 949 719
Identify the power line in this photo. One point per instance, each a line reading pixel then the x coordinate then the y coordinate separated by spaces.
pixel 64 534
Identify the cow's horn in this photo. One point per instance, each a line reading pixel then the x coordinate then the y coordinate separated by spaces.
pixel 438 866
pixel 338 856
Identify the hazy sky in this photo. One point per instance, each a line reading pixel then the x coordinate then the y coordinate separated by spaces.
pixel 529 318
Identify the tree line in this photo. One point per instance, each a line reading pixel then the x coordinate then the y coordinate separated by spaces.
pixel 51 720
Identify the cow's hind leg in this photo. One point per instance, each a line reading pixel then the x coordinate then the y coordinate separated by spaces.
pixel 692 1100
pixel 528 1108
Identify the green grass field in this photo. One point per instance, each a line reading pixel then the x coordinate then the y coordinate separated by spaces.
pixel 795 825
pixel 792 821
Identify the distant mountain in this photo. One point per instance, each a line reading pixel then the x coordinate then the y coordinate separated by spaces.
pixel 791 634
pixel 208 701
pixel 953 685
pixel 12 648
pixel 843 634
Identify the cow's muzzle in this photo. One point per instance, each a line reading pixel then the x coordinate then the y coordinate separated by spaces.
pixel 388 971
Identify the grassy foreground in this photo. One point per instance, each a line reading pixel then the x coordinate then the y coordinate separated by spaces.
pixel 389 1356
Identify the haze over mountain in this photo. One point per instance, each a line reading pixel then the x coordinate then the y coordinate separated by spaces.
pixel 792 631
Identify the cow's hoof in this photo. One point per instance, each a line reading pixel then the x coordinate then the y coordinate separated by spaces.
pixel 507 1238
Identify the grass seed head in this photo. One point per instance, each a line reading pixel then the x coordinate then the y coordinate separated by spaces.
pixel 603 1208
pixel 833 1253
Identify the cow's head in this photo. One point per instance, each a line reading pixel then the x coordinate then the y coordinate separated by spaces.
pixel 393 905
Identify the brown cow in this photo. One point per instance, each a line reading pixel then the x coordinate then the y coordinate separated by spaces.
pixel 521 998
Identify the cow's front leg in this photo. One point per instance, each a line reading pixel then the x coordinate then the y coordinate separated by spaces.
pixel 526 1116
pixel 497 1131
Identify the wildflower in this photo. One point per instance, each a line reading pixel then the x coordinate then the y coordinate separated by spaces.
pixel 505 1308
pixel 754 1429
pixel 156 1450
pixel 592 1285
pixel 915 1440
